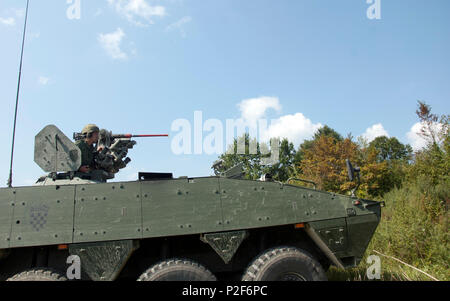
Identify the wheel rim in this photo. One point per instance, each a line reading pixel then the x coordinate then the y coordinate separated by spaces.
pixel 291 276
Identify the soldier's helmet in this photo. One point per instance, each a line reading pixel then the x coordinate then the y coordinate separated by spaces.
pixel 90 128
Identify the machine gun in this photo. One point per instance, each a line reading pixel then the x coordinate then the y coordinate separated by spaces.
pixel 54 153
pixel 112 150
pixel 80 136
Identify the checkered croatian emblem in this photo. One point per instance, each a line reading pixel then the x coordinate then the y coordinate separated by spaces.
pixel 38 217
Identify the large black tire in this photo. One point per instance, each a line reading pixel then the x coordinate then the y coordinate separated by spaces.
pixel 177 270
pixel 285 264
pixel 38 274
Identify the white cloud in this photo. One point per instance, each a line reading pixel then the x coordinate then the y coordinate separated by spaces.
pixel 111 43
pixel 295 127
pixel 255 108
pixel 133 10
pixel 179 25
pixel 8 21
pixel 43 80
pixel 416 141
pixel 375 131
pixel 11 21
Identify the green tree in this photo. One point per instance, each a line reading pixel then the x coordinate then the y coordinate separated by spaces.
pixel 308 144
pixel 434 129
pixel 252 163
pixel 234 156
pixel 324 163
pixel 284 169
pixel 390 149
pixel 432 163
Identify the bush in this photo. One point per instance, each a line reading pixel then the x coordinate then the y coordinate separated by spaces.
pixel 414 227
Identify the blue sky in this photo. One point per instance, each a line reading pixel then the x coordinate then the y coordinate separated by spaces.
pixel 136 66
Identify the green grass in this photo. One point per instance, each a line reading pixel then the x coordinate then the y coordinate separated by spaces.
pixel 414 229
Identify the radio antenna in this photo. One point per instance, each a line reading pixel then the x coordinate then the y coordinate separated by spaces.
pixel 17 98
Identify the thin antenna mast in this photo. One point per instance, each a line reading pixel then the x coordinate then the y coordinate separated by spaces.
pixel 17 98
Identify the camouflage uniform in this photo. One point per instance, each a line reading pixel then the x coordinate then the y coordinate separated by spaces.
pixel 87 151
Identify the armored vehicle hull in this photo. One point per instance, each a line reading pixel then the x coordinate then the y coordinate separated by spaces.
pixel 213 227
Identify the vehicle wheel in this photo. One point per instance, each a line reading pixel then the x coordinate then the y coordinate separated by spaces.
pixel 38 274
pixel 177 270
pixel 285 264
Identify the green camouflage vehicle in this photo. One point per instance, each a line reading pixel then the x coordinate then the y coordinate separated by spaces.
pixel 165 228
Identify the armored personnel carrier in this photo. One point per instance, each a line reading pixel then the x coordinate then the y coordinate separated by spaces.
pixel 164 228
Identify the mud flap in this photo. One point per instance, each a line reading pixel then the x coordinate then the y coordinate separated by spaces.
pixel 103 261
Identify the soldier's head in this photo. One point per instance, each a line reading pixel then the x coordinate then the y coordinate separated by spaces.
pixel 91 131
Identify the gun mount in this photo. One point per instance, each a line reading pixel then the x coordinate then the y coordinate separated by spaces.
pixel 58 155
pixel 54 152
pixel 112 152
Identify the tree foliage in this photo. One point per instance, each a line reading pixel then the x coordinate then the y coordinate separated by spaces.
pixel 308 144
pixel 385 162
pixel 432 162
pixel 324 162
pixel 253 164
pixel 390 149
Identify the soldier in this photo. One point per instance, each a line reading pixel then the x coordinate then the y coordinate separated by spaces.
pixel 87 148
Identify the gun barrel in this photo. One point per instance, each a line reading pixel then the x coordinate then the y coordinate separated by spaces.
pixel 138 136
